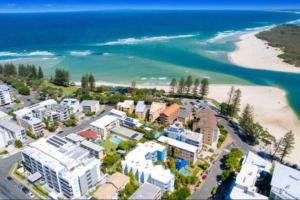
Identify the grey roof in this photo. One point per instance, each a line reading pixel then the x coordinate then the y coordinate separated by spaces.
pixel 140 106
pixel 183 113
pixel 11 126
pixel 146 191
pixel 127 133
pixel 89 102
pixel 287 180
pixel 75 138
pixel 32 178
pixel 92 145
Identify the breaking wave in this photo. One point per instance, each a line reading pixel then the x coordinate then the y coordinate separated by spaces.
pixel 25 54
pixel 80 53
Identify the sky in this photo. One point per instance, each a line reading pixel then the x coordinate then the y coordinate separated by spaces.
pixel 72 5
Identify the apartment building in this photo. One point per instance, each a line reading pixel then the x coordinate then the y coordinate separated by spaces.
pixel 72 104
pixel 10 132
pixel 104 124
pixel 147 191
pixel 207 125
pixel 156 109
pixel 126 106
pixel 141 110
pixel 90 106
pixel 170 114
pixel 68 170
pixel 140 162
pixel 185 116
pixel 180 150
pixel 5 95
pixel 33 124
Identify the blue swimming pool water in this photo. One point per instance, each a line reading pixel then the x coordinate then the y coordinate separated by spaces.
pixel 184 171
pixel 116 140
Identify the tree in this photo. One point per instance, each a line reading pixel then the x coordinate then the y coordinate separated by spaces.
pixel 236 102
pixel 230 95
pixel 18 144
pixel 40 73
pixel 92 82
pixel 189 83
pixel 9 69
pixel 196 85
pixel 204 87
pixel 286 145
pixel 85 82
pixel 173 85
pixel 61 77
pixel 181 194
pixel 24 90
pixel 133 84
pixel 181 85
pixel 246 119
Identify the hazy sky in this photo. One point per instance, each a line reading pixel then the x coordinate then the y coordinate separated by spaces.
pixel 50 5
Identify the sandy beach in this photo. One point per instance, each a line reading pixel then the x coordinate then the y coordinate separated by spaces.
pixel 270 107
pixel 254 53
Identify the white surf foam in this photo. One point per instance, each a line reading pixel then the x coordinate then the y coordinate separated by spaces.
pixel 25 54
pixel 132 41
pixel 80 53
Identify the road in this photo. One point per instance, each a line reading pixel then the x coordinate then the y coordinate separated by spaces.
pixel 205 191
pixel 9 189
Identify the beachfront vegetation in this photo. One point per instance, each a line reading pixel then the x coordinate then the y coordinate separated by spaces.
pixel 285 146
pixel 232 106
pixel 231 164
pixel 287 38
pixel 61 78
pixel 88 83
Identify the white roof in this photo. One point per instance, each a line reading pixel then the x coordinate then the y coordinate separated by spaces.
pixel 11 126
pixel 126 103
pixel 3 115
pixel 89 102
pixel 254 159
pixel 75 137
pixel 28 110
pixel 104 121
pixel 117 113
pixel 160 173
pixel 238 193
pixel 286 179
pixel 92 146
pixel 178 144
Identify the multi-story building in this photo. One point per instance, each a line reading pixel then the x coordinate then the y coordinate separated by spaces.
pixel 155 109
pixel 285 183
pixel 95 150
pixel 126 106
pixel 90 106
pixel 33 124
pixel 170 114
pixel 180 150
pixel 147 191
pixel 68 170
pixel 207 125
pixel 140 162
pixel 10 132
pixel 72 104
pixel 104 124
pixel 177 132
pixel 141 110
pixel 5 95
pixel 185 116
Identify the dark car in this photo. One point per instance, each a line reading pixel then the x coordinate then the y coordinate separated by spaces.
pixel 25 190
pixel 9 178
pixel 20 186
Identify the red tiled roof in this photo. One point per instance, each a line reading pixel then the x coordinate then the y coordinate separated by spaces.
pixel 89 134
pixel 171 109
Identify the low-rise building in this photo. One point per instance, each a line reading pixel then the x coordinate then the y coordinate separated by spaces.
pixel 156 109
pixel 126 106
pixel 141 110
pixel 130 122
pixel 5 95
pixel 95 150
pixel 68 170
pixel 118 114
pixel 103 125
pixel 72 104
pixel 147 191
pixel 170 114
pixel 33 124
pixel 127 133
pixel 4 116
pixel 207 125
pixel 180 150
pixel 285 183
pixel 90 135
pixel 140 161
pixel 185 116
pixel 75 138
pixel 10 132
pixel 178 132
pixel 90 106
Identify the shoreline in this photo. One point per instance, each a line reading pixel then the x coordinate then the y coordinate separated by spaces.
pixel 254 53
pixel 270 107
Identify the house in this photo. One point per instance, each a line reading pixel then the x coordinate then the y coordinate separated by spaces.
pixel 103 125
pixel 75 139
pixel 170 114
pixel 95 150
pixel 5 95
pixel 141 110
pixel 68 170
pixel 141 161
pixel 126 106
pixel 90 106
pixel 130 122
pixel 155 109
pixel 90 135
pixel 178 132
pixel 147 191
pixel 72 104
pixel 180 150
pixel 10 132
pixel 185 116
pixel 207 125
pixel 285 183
pixel 126 133
pixel 114 184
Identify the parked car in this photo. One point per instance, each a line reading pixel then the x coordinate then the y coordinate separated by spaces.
pixel 9 178
pixel 20 186
pixel 31 195
pixel 204 176
pixel 25 190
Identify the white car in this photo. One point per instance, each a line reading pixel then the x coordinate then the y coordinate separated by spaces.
pixel 31 195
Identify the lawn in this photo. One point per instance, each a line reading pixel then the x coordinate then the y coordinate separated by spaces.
pixel 109 145
pixel 67 91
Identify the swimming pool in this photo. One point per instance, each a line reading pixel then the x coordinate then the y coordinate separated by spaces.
pixel 184 171
pixel 116 140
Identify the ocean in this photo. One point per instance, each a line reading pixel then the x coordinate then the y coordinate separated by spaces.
pixel 150 47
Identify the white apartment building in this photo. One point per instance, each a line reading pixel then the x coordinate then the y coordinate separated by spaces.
pixel 90 106
pixel 10 132
pixel 5 95
pixel 285 183
pixel 69 171
pixel 104 124
pixel 140 162
pixel 72 104
pixel 33 124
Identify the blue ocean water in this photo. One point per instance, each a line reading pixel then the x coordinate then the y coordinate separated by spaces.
pixel 150 47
